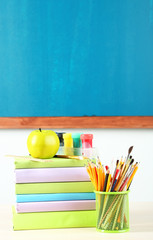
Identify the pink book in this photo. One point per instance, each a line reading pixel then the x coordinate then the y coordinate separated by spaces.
pixel 55 206
pixel 38 175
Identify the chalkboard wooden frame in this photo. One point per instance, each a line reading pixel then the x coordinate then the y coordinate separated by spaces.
pixel 76 122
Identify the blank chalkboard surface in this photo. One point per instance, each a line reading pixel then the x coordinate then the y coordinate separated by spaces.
pixel 76 58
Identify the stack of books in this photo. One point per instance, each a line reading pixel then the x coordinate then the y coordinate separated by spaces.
pixel 53 194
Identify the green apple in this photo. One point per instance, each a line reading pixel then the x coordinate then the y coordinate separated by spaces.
pixel 43 143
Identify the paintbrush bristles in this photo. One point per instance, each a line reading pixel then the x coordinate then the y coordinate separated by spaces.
pixel 130 150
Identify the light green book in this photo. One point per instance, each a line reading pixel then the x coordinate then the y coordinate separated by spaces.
pixel 48 220
pixel 52 163
pixel 58 187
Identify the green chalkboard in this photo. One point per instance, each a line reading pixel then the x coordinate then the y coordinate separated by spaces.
pixel 76 58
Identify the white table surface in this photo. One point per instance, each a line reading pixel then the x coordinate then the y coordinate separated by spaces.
pixel 141 227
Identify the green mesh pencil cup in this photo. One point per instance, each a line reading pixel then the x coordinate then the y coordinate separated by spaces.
pixel 112 210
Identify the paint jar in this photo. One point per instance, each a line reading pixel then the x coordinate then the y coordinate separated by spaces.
pixel 86 140
pixel 60 136
pixel 77 143
pixel 68 144
pixel 112 210
pixel 76 140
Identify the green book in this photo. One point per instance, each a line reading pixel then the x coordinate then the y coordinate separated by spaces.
pixel 48 220
pixel 58 187
pixel 52 163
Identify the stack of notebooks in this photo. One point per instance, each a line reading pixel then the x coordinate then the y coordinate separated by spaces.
pixel 53 194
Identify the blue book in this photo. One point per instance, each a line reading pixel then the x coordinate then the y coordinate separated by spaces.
pixel 54 197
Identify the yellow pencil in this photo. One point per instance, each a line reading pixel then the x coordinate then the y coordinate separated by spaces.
pixel 99 178
pixel 103 177
pixel 99 162
pixel 89 173
pixel 94 172
pixel 132 176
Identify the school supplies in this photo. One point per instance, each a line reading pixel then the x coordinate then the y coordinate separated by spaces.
pixel 55 206
pixel 48 220
pixel 47 197
pixel 71 157
pixel 86 140
pixel 68 141
pixel 59 187
pixel 77 174
pixel 58 191
pixel 68 144
pixel 106 179
pixel 77 144
pixel 60 135
pixel 122 176
pixel 112 192
pixel 76 140
pixel 53 162
pixel 58 161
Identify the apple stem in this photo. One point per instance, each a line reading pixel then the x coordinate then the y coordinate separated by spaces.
pixel 40 129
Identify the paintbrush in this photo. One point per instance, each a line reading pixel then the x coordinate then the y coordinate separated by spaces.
pixel 106 178
pixel 129 168
pixel 135 168
pixel 125 173
pixel 71 157
pixel 115 173
pixel 122 176
pixel 47 160
pixel 30 158
pixel 129 152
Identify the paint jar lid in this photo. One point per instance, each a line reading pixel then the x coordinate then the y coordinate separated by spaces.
pixel 87 136
pixel 67 135
pixel 76 135
pixel 60 134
